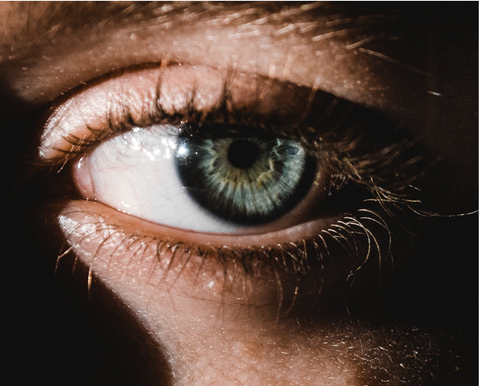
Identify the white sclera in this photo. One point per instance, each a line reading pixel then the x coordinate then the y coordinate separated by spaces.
pixel 136 173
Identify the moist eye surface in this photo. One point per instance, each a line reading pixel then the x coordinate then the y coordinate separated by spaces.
pixel 243 179
pixel 216 179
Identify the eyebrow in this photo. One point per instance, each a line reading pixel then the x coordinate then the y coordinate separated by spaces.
pixel 46 21
pixel 26 24
pixel 36 33
pixel 49 20
pixel 41 32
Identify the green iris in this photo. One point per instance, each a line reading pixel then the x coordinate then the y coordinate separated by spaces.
pixel 244 180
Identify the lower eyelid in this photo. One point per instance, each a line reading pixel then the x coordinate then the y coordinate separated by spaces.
pixel 121 249
pixel 266 239
pixel 158 264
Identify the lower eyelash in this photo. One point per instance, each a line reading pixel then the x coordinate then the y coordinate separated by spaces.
pixel 300 267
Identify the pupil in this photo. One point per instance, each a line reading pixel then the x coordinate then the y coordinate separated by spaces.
pixel 242 153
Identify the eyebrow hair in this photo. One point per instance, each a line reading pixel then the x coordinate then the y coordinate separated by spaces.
pixel 51 19
pixel 47 20
pixel 37 32
pixel 43 22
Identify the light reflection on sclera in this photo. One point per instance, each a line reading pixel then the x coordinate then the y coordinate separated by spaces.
pixel 135 173
pixel 138 173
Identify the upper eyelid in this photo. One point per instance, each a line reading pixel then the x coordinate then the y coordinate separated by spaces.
pixel 64 128
pixel 148 83
pixel 123 107
pixel 359 141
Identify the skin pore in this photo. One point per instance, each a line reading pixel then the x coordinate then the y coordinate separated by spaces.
pixel 412 65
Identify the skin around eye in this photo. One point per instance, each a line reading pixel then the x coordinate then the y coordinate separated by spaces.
pixel 324 239
pixel 269 268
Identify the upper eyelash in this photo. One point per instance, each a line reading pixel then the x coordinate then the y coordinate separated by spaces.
pixel 389 171
pixel 381 159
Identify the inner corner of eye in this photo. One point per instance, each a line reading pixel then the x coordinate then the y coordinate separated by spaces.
pixel 83 178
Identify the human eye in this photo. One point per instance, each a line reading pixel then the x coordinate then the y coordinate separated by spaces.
pixel 225 183
pixel 344 279
pixel 288 189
